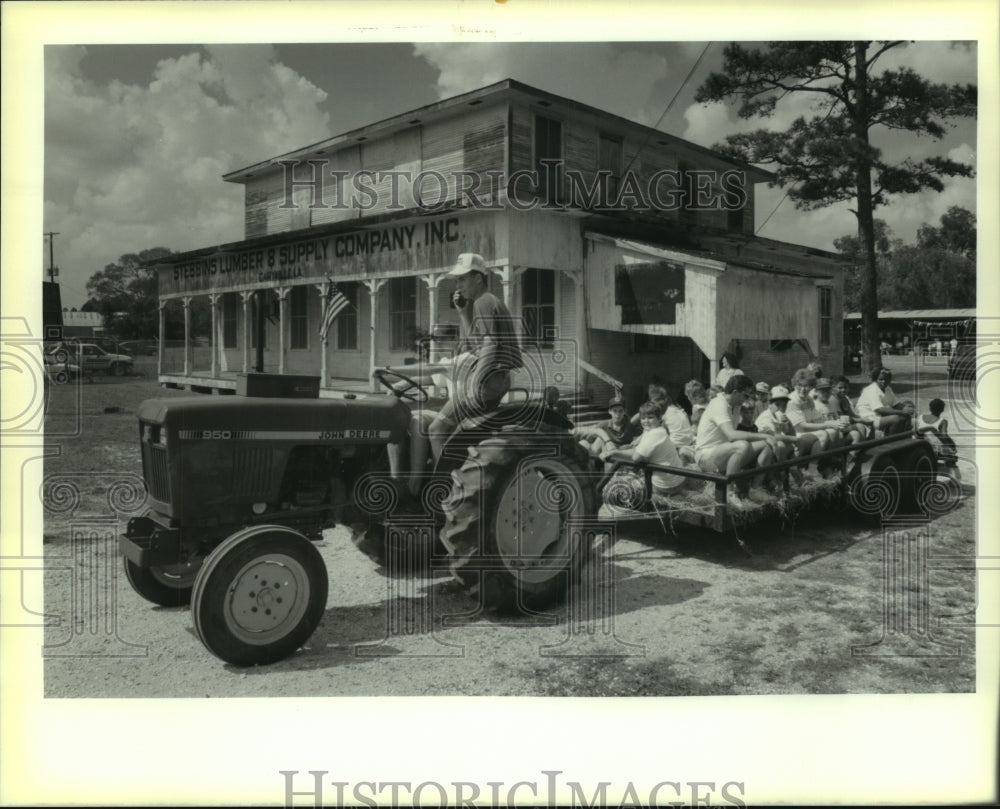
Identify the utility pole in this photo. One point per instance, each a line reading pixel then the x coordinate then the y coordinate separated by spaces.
pixel 52 268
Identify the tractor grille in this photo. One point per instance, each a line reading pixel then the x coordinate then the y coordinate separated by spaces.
pixel 154 470
pixel 252 471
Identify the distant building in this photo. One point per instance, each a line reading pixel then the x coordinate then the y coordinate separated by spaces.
pixel 635 291
pixel 905 331
pixel 82 324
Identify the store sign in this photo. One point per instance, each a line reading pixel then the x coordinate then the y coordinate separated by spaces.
pixel 428 243
pixel 649 292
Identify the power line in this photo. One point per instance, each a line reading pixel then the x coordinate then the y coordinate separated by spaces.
pixel 670 103
pixel 773 212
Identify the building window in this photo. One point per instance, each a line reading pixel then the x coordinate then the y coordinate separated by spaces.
pixel 347 320
pixel 548 146
pixel 402 313
pixel 825 315
pixel 229 319
pixel 609 159
pixel 538 306
pixel 299 316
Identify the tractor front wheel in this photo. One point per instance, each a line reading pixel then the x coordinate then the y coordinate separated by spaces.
pixel 259 595
pixel 512 522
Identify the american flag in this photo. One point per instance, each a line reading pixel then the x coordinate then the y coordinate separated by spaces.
pixel 336 302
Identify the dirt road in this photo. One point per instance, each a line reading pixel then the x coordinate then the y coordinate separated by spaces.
pixel 662 615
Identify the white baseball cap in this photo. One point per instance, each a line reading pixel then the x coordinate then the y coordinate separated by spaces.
pixel 469 262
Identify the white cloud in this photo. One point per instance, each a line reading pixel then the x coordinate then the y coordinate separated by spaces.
pixel 135 166
pixel 635 83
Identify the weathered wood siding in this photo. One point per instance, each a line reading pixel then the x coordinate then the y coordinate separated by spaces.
pixel 642 156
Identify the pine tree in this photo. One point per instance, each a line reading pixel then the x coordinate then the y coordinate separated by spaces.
pixel 829 157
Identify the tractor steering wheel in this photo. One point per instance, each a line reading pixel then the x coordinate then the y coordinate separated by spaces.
pixel 402 393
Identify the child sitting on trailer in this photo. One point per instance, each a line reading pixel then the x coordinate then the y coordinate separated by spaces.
pixel 654 446
pixel 679 429
pixel 774 421
pixel 934 428
pixel 614 433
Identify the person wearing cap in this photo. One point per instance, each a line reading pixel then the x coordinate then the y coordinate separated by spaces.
pixel 828 408
pixel 762 394
pixel 774 421
pixel 614 433
pixel 655 447
pixel 879 404
pixel 482 372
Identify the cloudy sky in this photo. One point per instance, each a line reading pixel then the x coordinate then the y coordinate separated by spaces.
pixel 137 137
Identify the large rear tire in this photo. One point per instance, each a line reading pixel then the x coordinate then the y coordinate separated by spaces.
pixel 259 595
pixel 509 521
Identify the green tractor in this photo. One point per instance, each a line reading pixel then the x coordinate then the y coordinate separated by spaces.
pixel 240 487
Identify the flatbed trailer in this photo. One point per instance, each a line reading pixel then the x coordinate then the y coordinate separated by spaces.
pixel 881 478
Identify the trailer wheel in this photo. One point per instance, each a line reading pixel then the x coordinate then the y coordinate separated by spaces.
pixel 893 483
pixel 167 585
pixel 508 523
pixel 259 595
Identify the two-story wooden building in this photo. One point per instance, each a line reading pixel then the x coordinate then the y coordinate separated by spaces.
pixel 627 253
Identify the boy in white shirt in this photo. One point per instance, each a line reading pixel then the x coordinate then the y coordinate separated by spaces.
pixel 719 446
pixel 774 421
pixel 654 446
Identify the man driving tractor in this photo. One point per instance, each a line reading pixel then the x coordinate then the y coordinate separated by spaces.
pixel 480 372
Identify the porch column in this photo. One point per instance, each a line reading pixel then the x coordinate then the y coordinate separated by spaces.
pixel 580 336
pixel 161 346
pixel 508 274
pixel 324 290
pixel 213 300
pixel 188 353
pixel 282 293
pixel 246 296
pixel 432 282
pixel 374 285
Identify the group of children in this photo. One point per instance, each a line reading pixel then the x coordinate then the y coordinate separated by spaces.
pixel 741 425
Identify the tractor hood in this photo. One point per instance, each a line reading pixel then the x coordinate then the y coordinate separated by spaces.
pixel 373 419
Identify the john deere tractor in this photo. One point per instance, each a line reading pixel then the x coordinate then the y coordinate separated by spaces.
pixel 241 486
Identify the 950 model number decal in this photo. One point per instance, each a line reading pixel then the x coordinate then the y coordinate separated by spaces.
pixel 283 435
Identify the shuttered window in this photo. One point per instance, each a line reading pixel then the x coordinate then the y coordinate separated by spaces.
pixel 548 146
pixel 402 313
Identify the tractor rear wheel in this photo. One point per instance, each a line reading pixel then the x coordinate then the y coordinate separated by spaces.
pixel 509 521
pixel 259 595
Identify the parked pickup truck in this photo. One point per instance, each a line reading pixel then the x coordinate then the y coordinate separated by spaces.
pixel 91 359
